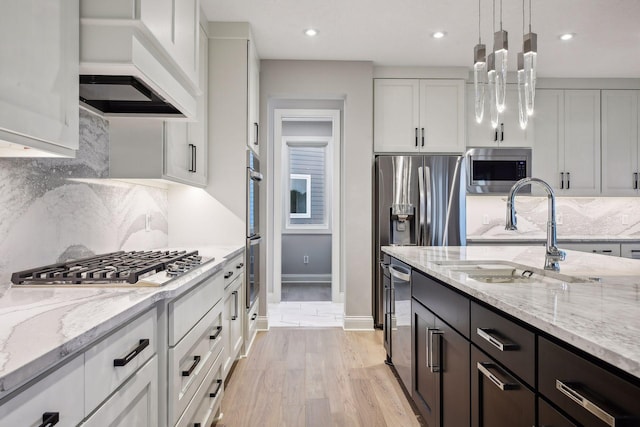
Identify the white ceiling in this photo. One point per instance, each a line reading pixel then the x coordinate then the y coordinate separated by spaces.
pixel 398 32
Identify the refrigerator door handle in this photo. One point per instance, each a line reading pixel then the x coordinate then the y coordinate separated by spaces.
pixel 422 207
pixel 427 202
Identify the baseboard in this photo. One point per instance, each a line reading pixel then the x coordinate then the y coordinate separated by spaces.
pixel 358 323
pixel 306 278
pixel 262 323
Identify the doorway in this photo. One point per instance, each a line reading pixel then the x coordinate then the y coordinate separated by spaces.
pixel 306 243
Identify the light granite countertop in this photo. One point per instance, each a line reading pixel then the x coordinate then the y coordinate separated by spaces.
pixel 39 327
pixel 601 318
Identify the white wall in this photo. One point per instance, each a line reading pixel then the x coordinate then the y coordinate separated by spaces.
pixel 351 82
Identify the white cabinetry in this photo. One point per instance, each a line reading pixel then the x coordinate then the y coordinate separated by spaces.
pixel 253 84
pixel 142 148
pixel 630 250
pixel 508 134
pixel 566 152
pixel 233 315
pixel 419 115
pixel 612 249
pixel 39 78
pixel 620 164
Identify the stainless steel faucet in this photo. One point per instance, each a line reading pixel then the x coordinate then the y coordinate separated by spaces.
pixel 553 255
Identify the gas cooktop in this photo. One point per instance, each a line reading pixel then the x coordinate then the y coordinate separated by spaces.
pixel 112 268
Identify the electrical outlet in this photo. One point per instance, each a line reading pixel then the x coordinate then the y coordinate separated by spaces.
pixel 147 222
pixel 485 219
pixel 305 259
pixel 625 219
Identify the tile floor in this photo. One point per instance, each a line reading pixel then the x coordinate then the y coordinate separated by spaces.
pixel 306 292
pixel 321 314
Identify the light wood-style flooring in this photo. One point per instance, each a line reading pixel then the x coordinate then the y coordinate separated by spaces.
pixel 315 377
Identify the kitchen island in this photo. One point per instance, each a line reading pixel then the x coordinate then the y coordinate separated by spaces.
pixel 591 310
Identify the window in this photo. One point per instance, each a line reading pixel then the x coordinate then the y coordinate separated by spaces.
pixel 300 192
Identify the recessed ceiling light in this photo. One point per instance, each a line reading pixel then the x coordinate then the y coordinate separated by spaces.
pixel 438 34
pixel 311 32
pixel 567 36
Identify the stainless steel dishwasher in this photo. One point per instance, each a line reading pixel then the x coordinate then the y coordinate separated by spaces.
pixel 397 317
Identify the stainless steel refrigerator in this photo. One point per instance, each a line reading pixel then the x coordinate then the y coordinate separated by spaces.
pixel 420 200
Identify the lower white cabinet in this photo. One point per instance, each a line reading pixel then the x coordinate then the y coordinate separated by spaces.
pixel 206 402
pixel 630 250
pixel 135 404
pixel 612 249
pixel 251 326
pixel 233 315
pixel 58 396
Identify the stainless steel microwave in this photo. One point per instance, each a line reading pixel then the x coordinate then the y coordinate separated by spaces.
pixel 495 170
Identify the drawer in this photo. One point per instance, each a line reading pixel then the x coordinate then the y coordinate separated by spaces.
pixel 549 417
pixel 233 269
pixel 114 359
pixel 252 325
pixel 186 310
pixel 505 341
pixel 120 410
pixel 206 402
pixel 191 359
pixel 590 394
pixel 449 305
pixel 60 392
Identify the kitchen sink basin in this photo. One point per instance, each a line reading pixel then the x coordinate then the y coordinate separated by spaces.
pixel 506 272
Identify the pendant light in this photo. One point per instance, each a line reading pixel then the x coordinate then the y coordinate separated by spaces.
pixel 530 50
pixel 500 51
pixel 479 73
pixel 491 83
pixel 522 96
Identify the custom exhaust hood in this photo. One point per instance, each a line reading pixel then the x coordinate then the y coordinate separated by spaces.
pixel 125 71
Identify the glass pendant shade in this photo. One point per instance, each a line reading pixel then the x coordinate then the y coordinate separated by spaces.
pixel 522 96
pixel 530 50
pixel 500 51
pixel 479 73
pixel 491 87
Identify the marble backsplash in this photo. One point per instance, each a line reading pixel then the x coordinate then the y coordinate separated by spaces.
pixel 53 209
pixel 576 217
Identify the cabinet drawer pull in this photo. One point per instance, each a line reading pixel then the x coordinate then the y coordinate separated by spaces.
pixel 569 390
pixel 235 303
pixel 239 266
pixel 486 334
pixel 196 360
pixel 484 367
pixel 256 128
pixel 144 343
pixel 50 419
pixel 229 274
pixel 217 334
pixel 215 393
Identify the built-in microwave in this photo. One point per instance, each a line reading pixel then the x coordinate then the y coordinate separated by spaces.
pixel 495 170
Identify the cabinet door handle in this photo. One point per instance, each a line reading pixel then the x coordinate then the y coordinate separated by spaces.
pixel 501 132
pixel 568 180
pixel 423 137
pixel 215 393
pixel 235 297
pixel 191 163
pixel 435 332
pixel 144 343
pixel 569 390
pixel 196 360
pixel 635 180
pixel 495 136
pixel 562 180
pixel 229 274
pixel 217 334
pixel 484 368
pixel 256 129
pixel 239 266
pixel 416 137
pixel 486 334
pixel 50 419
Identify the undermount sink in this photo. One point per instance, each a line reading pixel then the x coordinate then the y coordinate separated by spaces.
pixel 506 272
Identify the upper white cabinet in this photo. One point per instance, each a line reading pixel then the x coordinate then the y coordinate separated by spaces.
pixel 419 115
pixel 39 78
pixel 146 148
pixel 620 163
pixel 566 152
pixel 253 85
pixel 508 134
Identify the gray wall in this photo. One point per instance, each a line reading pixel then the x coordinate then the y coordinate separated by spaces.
pixel 311 161
pixel 316 246
pixel 350 82
pixel 58 209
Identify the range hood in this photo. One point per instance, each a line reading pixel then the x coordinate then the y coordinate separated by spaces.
pixel 125 71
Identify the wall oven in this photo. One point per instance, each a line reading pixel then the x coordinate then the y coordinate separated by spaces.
pixel 252 281
pixel 495 170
